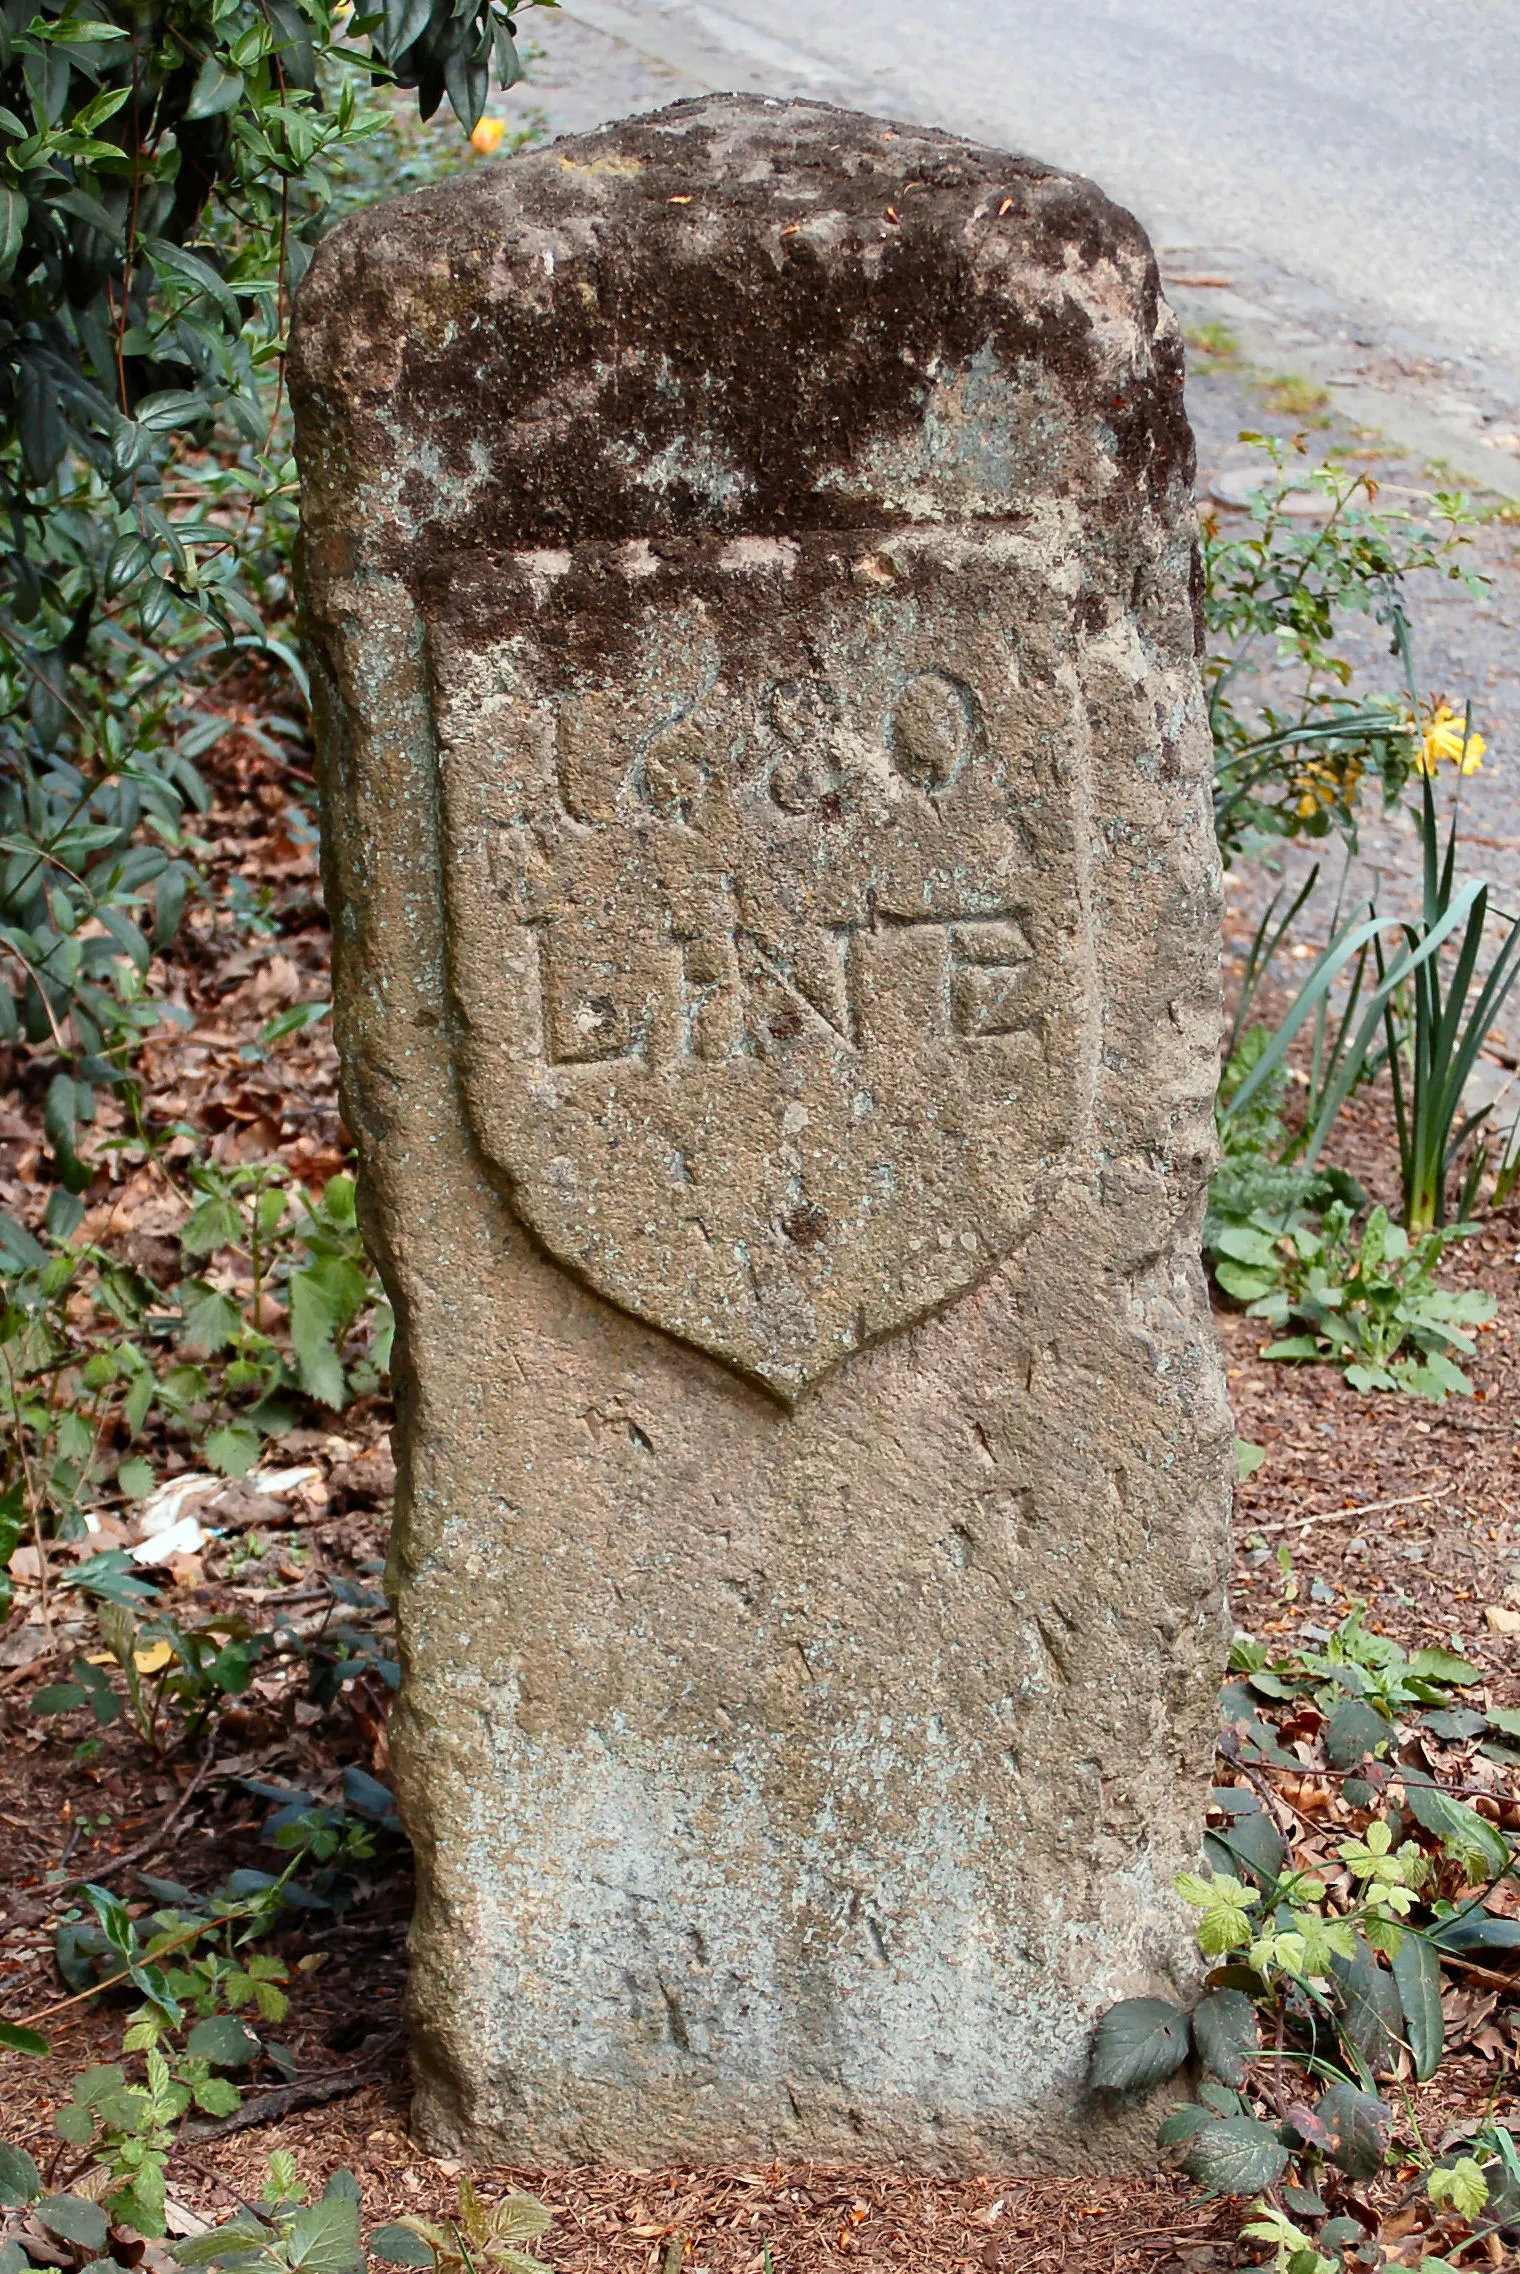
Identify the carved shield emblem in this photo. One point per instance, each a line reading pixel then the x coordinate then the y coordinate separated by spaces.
pixel 767 921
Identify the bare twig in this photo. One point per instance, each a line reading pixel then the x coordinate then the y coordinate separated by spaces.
pixel 111 1981
pixel 154 1839
pixel 1479 1973
pixel 305 2092
pixel 1323 1516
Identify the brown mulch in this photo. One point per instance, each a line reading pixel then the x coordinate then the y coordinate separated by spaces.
pixel 1412 1510
pixel 1408 1507
pixel 1427 1568
pixel 63 1814
pixel 728 2219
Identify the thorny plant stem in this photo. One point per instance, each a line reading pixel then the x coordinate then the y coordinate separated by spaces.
pixel 61 2005
pixel 31 1486
pixel 1276 1768
pixel 47 1008
pixel 151 1956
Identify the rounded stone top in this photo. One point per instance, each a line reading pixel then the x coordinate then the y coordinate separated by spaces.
pixel 740 314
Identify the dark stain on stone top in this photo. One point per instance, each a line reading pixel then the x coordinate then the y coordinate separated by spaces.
pixel 700 320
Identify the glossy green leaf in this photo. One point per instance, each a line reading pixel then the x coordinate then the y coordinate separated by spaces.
pixel 404 21
pixel 1473 1928
pixel 215 90
pixel 193 270
pixel 14 211
pixel 1235 2156
pixel 1226 2034
pixel 1137 2043
pixel 1476 1843
pixel 15 2039
pixel 20 2180
pixel 81 31
pixel 1417 1972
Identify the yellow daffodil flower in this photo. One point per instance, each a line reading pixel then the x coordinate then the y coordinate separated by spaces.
pixel 1445 737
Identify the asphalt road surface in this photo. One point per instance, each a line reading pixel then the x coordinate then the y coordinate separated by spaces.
pixel 1373 150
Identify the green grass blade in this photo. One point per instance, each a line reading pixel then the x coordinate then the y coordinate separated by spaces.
pixel 1332 961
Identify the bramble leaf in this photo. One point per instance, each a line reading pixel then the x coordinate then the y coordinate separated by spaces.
pixel 222 2038
pixel 324 2237
pixel 74 2218
pixel 1137 2043
pixel 1356 2124
pixel 1235 2156
pixel 20 2180
pixel 1458 2186
pixel 401 2246
pixel 1226 2033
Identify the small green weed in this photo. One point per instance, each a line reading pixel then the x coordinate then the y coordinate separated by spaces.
pixel 480 2239
pixel 127 2128
pixel 99 1364
pixel 1339 1955
pixel 1369 1298
pixel 283 2234
pixel 1216 343
pixel 1294 397
pixel 175 1678
pixel 208 1996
